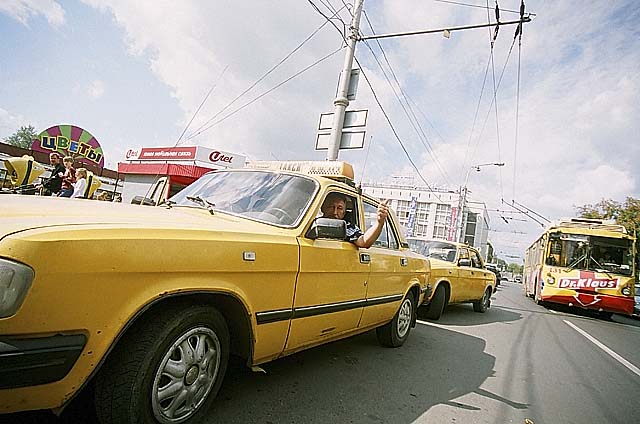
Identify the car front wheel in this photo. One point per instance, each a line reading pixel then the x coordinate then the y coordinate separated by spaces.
pixel 166 370
pixel 483 304
pixel 437 304
pixel 396 332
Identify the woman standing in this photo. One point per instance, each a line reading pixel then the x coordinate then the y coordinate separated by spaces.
pixel 80 185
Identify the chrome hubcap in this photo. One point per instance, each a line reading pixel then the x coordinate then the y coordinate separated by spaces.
pixel 404 318
pixel 185 376
pixel 191 376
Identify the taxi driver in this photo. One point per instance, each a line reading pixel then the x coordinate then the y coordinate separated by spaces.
pixel 335 206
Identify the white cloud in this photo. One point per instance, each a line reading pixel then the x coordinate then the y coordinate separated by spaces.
pixel 10 123
pixel 578 126
pixel 23 10
pixel 95 89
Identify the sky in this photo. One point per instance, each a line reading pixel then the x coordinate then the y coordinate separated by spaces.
pixel 561 109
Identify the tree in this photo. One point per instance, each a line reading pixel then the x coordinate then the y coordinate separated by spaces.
pixel 627 214
pixel 23 137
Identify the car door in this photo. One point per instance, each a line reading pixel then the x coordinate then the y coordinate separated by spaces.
pixel 480 277
pixel 389 274
pixel 330 289
pixel 465 276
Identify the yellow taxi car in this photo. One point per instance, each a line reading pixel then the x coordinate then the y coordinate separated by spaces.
pixel 145 304
pixel 458 275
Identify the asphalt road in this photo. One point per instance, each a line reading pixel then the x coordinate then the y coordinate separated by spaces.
pixel 516 363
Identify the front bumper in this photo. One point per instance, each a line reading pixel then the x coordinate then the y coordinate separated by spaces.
pixel 615 304
pixel 29 362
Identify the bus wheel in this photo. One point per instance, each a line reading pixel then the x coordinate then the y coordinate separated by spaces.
pixel 536 295
pixel 605 315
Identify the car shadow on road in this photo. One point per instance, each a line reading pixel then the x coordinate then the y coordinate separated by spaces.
pixel 357 381
pixel 349 381
pixel 463 314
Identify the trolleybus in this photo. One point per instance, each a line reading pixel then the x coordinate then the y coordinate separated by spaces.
pixel 584 263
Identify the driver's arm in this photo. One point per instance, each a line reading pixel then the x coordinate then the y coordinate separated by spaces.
pixel 371 235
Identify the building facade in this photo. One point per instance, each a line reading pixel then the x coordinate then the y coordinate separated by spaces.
pixel 435 213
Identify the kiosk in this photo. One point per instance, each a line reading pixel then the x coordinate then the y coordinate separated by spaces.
pixel 145 167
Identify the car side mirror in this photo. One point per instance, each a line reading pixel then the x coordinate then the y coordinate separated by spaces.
pixel 464 262
pixel 327 228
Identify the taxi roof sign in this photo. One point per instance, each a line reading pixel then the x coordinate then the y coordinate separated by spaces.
pixel 323 168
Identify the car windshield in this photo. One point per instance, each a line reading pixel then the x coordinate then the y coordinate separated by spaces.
pixel 271 197
pixel 434 249
pixel 600 254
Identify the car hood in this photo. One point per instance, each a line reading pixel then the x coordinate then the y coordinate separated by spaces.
pixel 20 213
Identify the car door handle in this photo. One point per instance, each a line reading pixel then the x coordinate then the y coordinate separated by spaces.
pixel 404 262
pixel 365 258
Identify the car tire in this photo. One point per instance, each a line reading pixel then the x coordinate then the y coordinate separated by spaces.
pixel 186 349
pixel 396 332
pixel 437 304
pixel 484 303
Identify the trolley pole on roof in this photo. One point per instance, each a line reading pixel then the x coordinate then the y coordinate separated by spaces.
pixel 341 102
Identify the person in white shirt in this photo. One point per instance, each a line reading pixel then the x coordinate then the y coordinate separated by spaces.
pixel 81 183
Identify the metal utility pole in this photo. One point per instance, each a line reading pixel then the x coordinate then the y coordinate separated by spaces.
pixel 341 102
pixel 462 199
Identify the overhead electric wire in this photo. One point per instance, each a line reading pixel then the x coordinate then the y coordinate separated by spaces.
pixel 330 19
pixel 201 104
pixel 465 162
pixel 515 147
pixel 200 130
pixel 411 116
pixel 474 5
pixel 395 133
pixel 492 99
pixel 214 123
pixel 495 90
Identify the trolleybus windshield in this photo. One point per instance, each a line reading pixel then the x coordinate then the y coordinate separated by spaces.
pixel 601 254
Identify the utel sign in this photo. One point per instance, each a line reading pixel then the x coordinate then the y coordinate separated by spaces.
pixel 216 156
pixel 587 283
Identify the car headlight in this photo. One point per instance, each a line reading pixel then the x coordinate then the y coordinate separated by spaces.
pixel 626 291
pixel 15 280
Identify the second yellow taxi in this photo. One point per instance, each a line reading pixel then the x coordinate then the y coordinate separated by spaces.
pixel 458 275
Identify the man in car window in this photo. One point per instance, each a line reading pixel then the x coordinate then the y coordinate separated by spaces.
pixel 335 206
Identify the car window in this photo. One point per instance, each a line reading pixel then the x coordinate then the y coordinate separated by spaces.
pixel 475 259
pixel 464 254
pixel 272 197
pixel 387 237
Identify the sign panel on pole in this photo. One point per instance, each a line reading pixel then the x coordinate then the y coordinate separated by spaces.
pixel 349 140
pixel 352 119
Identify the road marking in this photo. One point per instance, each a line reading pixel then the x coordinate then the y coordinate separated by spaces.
pixel 611 353
pixel 552 311
pixel 431 324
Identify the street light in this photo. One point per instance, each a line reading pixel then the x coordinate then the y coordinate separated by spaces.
pixel 462 201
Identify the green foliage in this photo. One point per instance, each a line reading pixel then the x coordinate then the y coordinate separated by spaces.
pixel 23 137
pixel 515 268
pixel 627 214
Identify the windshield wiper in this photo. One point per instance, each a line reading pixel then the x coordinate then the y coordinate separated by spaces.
pixel 601 267
pixel 202 202
pixel 168 203
pixel 573 264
